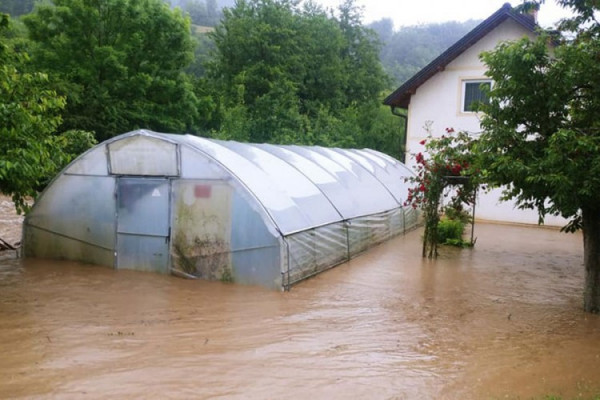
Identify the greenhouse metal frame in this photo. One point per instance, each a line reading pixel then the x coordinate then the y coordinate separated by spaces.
pixel 258 214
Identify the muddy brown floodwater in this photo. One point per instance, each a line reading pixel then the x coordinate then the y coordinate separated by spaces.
pixel 10 222
pixel 502 320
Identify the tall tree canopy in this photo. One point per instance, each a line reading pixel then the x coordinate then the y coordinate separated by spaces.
pixel 29 114
pixel 119 63
pixel 292 73
pixel 542 130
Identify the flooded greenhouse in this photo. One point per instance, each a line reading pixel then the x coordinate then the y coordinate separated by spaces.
pixel 219 210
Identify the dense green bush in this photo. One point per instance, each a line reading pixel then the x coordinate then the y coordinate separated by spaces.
pixel 450 231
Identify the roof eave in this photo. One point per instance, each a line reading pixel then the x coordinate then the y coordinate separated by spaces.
pixel 401 96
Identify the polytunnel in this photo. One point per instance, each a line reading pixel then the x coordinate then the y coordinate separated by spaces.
pixel 259 214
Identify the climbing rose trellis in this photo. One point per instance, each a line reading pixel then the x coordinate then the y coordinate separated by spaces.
pixel 447 161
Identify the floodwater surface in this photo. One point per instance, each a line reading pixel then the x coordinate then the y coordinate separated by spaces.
pixel 502 320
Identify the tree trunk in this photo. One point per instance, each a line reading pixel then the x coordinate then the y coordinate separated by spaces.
pixel 591 259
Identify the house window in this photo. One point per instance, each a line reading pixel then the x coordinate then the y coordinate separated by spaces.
pixel 474 93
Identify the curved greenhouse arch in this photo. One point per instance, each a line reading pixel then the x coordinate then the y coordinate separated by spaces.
pixel 250 213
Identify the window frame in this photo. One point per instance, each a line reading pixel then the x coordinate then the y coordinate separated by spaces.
pixel 463 97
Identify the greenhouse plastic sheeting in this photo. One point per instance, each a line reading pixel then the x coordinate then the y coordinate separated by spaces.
pixel 256 214
pixel 362 192
pixel 63 226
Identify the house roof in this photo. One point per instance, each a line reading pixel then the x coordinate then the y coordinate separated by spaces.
pixel 401 96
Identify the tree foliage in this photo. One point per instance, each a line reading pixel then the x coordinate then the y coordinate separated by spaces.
pixel 292 73
pixel 118 62
pixel 542 130
pixel 29 114
pixel 274 71
pixel 541 126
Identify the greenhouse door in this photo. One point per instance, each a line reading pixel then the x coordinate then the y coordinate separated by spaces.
pixel 143 224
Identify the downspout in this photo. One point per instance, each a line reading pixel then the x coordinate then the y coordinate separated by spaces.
pixel 404 115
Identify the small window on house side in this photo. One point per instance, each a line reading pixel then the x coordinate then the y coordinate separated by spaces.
pixel 473 93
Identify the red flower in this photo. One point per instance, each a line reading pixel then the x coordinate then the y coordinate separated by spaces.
pixel 449 130
pixel 422 142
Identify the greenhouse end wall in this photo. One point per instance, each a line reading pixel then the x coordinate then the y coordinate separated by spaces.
pixel 235 212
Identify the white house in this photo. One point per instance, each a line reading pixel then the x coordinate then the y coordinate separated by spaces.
pixel 439 97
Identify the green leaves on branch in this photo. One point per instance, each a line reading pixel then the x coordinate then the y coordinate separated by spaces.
pixel 541 129
pixel 273 71
pixel 291 73
pixel 120 64
pixel 30 153
pixel 29 113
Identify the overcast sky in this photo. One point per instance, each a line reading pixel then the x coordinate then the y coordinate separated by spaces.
pixel 415 12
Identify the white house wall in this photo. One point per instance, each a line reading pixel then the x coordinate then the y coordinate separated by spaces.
pixel 437 104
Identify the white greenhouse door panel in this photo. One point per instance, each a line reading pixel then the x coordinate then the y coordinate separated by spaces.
pixel 143 209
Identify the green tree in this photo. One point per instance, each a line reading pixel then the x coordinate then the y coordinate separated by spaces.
pixel 120 63
pixel 204 46
pixel 384 28
pixel 379 130
pixel 260 64
pixel 29 114
pixel 542 130
pixel 360 54
pixel 288 72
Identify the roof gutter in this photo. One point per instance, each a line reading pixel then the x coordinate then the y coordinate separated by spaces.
pixel 404 115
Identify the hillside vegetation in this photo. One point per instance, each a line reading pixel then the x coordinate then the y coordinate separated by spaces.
pixel 404 50
pixel 275 71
